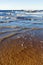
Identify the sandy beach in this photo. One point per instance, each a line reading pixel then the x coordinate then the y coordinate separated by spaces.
pixel 21 37
pixel 22 49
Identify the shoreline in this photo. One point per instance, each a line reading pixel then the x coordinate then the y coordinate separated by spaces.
pixel 22 49
pixel 8 34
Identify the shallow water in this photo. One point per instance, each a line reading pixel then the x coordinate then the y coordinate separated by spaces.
pixel 10 24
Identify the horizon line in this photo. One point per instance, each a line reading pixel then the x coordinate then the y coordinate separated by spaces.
pixel 21 9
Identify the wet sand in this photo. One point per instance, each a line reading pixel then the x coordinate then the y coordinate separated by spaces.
pixel 22 49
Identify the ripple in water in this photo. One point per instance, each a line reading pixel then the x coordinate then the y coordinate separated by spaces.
pixel 11 23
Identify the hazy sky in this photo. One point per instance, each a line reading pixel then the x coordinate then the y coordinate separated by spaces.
pixel 21 4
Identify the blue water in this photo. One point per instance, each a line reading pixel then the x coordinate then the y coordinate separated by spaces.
pixel 9 23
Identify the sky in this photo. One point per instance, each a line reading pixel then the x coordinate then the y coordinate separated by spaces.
pixel 21 4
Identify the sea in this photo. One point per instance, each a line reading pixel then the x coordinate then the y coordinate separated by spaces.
pixel 18 21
